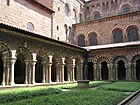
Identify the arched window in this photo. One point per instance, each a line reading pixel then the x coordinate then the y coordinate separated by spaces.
pixel 80 17
pixel 96 15
pixel 132 34
pixel 92 39
pixel 30 26
pixel 66 31
pixel 81 40
pixel 67 10
pixel 117 36
pixel 126 9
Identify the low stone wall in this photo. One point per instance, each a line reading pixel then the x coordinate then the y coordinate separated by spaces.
pixel 83 83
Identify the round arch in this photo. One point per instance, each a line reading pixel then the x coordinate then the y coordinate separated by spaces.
pixel 5 54
pixel 22 65
pixel 117 35
pixel 81 40
pixel 132 33
pixel 120 62
pixel 92 39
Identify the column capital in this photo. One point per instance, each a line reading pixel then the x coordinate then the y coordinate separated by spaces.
pixel 50 58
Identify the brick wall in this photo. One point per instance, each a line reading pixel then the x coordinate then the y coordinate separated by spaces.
pixel 104 28
pixel 20 12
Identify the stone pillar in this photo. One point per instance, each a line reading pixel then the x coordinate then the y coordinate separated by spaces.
pixel 110 75
pixel 73 66
pixel 62 70
pixel 26 72
pixel 85 71
pixel 57 72
pixel 4 71
pixel 95 71
pixel 100 72
pixel 116 71
pixel 128 72
pixel 44 72
pixel 12 65
pixel 49 69
pixel 79 70
pixel 134 70
pixel 33 67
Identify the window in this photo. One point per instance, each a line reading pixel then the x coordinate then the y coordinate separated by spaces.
pixel 132 34
pixel 117 36
pixel 96 15
pixel 80 18
pixel 126 9
pixel 67 10
pixel 30 26
pixel 81 40
pixel 92 39
pixel 66 31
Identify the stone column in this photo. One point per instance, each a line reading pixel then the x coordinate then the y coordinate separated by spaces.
pixel 26 72
pixel 95 71
pixel 81 70
pixel 128 72
pixel 49 69
pixel 134 68
pixel 62 70
pixel 100 72
pixel 33 67
pixel 4 71
pixel 110 75
pixel 44 72
pixel 12 65
pixel 116 71
pixel 73 66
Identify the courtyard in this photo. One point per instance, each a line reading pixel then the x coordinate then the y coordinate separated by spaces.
pixel 99 93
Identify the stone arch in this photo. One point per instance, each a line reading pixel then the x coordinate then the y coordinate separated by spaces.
pixel 96 10
pixel 103 58
pixel 132 33
pixel 120 62
pixel 56 60
pixel 96 15
pixel 136 67
pixel 5 54
pixel 102 64
pixel 67 68
pixel 81 40
pixel 92 38
pixel 117 35
pixel 22 71
pixel 125 4
pixel 79 68
pixel 40 66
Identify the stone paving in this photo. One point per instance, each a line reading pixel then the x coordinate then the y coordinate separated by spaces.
pixel 136 101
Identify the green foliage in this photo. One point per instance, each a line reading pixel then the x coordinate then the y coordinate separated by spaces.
pixel 100 93
pixel 122 86
pixel 80 97
pixel 98 83
pixel 8 97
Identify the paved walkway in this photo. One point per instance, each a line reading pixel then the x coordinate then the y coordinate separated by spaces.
pixel 136 101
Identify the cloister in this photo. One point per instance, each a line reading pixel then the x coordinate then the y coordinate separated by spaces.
pixel 27 58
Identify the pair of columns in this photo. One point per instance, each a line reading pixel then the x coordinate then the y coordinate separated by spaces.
pixel 113 72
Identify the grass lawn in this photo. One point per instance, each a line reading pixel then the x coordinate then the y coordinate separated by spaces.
pixel 106 93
